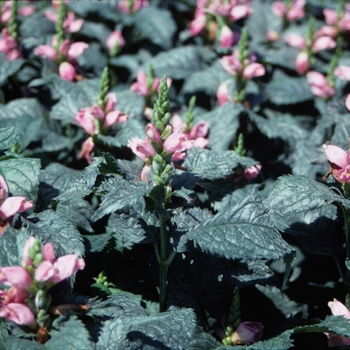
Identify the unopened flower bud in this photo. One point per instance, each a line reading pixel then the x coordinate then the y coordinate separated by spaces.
pixel 38 259
pixel 247 333
pixel 167 132
pixel 40 300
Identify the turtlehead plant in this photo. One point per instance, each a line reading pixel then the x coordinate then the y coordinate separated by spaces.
pixel 174 174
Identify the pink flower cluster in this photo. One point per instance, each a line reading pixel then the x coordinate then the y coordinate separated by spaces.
pixel 132 6
pixel 93 118
pixel 29 279
pixel 320 86
pixel 289 12
pixel 248 69
pixel 5 11
pixel 70 24
pixel 179 140
pixel 68 52
pixel 302 62
pixel 338 309
pixel 9 206
pixel 337 23
pixel 339 162
pixel 229 11
pixel 9 46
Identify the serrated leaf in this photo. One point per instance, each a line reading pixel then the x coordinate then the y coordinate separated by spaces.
pixel 221 139
pixel 157 25
pixel 125 193
pixel 178 63
pixel 131 104
pixel 14 343
pixel 82 94
pixel 9 68
pixel 244 231
pixel 22 176
pixel 11 246
pixel 97 243
pixel 202 341
pixel 53 227
pixel 8 137
pixel 29 107
pixel 214 164
pixel 127 231
pixel 69 333
pixel 285 90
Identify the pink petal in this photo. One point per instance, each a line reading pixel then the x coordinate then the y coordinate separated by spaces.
pixel 337 156
pixel 11 206
pixel 18 313
pixel 66 266
pixel 15 275
pixel 44 271
pixel 76 49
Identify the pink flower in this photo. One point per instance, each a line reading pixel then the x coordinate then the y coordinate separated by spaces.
pixel 86 117
pixel 319 85
pixel 86 150
pixel 198 23
pixel 177 142
pixel 26 10
pixel 272 36
pixel 323 43
pixel 115 39
pixel 339 162
pixel 200 129
pixel 295 40
pixel 144 173
pixel 111 101
pixel 292 12
pixel 127 6
pixel 141 148
pixel 240 11
pixel 76 49
pixel 48 252
pixel 114 117
pixel 46 51
pixel 7 43
pixel 223 94
pixel 14 55
pixel 247 333
pixel 153 133
pixel 140 86
pixel 60 269
pixel 72 25
pixel 226 37
pixel 26 260
pixel 16 276
pixel 13 295
pixel 253 70
pixel 9 206
pixel 18 313
pixel 331 16
pixel 338 309
pixel 66 71
pixel 252 172
pixel 302 63
pixel 343 72
pixel 347 102
pixel 231 64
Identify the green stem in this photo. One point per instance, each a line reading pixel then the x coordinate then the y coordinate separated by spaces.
pixel 347 243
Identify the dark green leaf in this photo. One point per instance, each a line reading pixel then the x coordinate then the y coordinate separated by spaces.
pixel 8 68
pixel 221 139
pixel 214 164
pixel 284 89
pixel 244 231
pixel 69 333
pixel 124 193
pixel 29 107
pixel 8 137
pixel 50 226
pixel 14 343
pixel 22 176
pixel 156 25
pixel 179 62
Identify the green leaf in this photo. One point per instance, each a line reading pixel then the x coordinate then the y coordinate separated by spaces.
pixel 51 226
pixel 214 164
pixel 28 107
pixel 14 343
pixel 82 94
pixel 9 68
pixel 69 333
pixel 22 176
pixel 202 341
pixel 156 25
pixel 8 137
pixel 124 193
pixel 244 231
pixel 179 62
pixel 11 246
pixel 131 104
pixel 284 89
pixel 336 324
pixel 220 139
